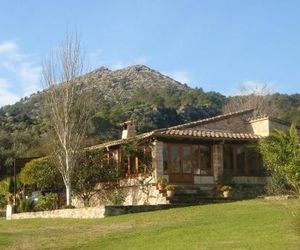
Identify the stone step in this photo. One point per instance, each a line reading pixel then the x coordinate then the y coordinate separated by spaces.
pixel 194 187
pixel 197 200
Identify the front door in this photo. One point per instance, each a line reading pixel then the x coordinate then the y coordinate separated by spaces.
pixel 180 167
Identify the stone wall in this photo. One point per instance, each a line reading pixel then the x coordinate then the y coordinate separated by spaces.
pixel 236 124
pixel 136 196
pixel 261 127
pixel 217 151
pixel 252 180
pixel 203 179
pixel 76 213
pixel 89 213
pixel 133 193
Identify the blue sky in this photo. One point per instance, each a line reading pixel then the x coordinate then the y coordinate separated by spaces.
pixel 216 45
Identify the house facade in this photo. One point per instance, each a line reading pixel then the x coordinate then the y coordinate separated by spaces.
pixel 199 154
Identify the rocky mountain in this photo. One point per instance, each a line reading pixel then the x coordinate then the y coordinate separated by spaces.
pixel 121 85
pixel 139 93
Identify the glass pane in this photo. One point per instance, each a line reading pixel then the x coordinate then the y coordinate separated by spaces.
pixel 240 160
pixel 205 160
pixel 254 160
pixel 186 159
pixel 175 159
pixel 165 156
pixel 228 159
pixel 195 159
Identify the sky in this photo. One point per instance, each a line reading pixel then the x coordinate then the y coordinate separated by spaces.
pixel 216 45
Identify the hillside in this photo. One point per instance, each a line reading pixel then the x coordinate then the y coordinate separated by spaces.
pixel 125 92
pixel 139 93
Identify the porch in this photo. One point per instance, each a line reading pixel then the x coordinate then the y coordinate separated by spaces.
pixel 208 162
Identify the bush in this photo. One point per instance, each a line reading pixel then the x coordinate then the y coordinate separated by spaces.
pixel 68 207
pixel 47 202
pixel 42 174
pixel 26 205
pixel 116 197
pixel 276 185
pixel 3 201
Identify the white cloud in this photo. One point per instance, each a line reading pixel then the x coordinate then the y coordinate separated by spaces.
pixel 6 96
pixel 182 76
pixel 8 47
pixel 19 71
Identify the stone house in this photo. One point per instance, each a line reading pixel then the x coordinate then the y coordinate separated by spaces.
pixel 196 156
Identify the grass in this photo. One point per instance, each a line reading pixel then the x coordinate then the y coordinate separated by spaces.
pixel 253 224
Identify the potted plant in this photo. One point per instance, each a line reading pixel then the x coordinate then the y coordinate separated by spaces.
pixel 225 189
pixel 170 190
pixel 161 183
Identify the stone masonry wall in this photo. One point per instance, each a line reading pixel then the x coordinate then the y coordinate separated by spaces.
pixel 79 213
pixel 236 124
pixel 217 161
pixel 261 127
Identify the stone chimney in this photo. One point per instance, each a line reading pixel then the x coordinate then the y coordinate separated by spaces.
pixel 128 130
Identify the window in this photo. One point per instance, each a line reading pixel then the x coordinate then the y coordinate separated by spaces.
pixel 255 163
pixel 195 159
pixel 205 160
pixel 175 159
pixel 165 158
pixel 186 159
pixel 137 163
pixel 228 159
pixel 241 160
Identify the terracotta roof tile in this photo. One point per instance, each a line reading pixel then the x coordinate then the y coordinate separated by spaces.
pixel 207 134
pixel 184 131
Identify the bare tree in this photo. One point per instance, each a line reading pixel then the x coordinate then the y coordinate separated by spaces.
pixel 67 107
pixel 249 96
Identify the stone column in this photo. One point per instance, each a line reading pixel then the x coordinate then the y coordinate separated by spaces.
pixel 217 161
pixel 9 211
pixel 157 159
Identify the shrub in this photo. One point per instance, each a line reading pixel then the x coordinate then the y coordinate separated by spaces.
pixel 47 202
pixel 170 188
pixel 225 188
pixel 2 201
pixel 68 207
pixel 276 185
pixel 41 173
pixel 26 205
pixel 116 197
pixel 281 154
pixel 162 180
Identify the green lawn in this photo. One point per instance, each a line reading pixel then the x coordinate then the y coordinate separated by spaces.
pixel 254 224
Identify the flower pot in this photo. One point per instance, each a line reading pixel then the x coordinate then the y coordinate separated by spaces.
pixel 226 194
pixel 170 193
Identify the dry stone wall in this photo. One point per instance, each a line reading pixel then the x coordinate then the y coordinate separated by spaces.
pixel 76 213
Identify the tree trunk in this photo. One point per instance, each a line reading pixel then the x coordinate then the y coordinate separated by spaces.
pixel 68 195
